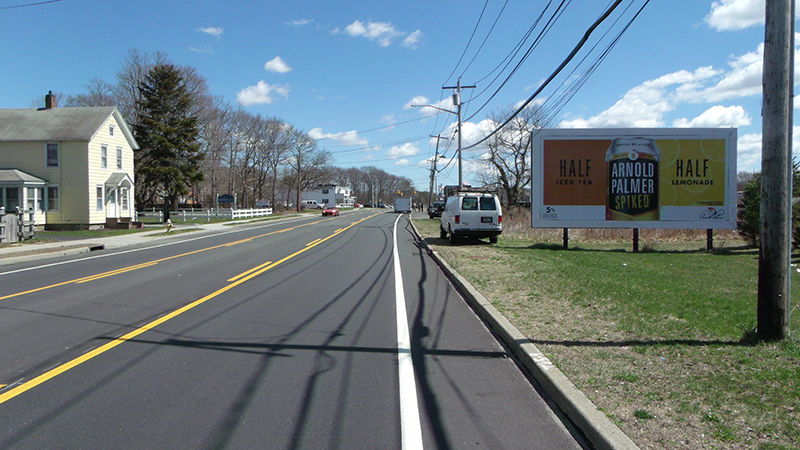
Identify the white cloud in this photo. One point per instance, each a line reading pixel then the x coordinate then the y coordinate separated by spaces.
pixel 389 120
pixel 349 138
pixel 645 105
pixel 261 93
pixel 203 49
pixel 401 162
pixel 384 33
pixel 748 153
pixel 744 80
pixel 213 31
pixel 402 151
pixel 277 65
pixel 717 116
pixel 412 40
pixel 299 23
pixel 736 14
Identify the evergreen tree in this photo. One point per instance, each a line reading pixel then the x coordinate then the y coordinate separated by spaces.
pixel 168 161
pixel 749 224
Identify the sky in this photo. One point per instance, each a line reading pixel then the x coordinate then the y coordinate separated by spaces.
pixel 349 73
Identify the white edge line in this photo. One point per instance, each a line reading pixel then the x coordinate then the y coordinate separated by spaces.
pixel 411 429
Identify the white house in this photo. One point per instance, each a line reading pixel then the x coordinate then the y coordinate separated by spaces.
pixel 330 194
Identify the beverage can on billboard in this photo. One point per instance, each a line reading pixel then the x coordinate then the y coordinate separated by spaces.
pixel 632 179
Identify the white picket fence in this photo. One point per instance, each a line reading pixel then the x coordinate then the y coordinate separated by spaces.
pixel 194 214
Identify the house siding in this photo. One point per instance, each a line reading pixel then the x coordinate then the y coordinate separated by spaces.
pixel 99 175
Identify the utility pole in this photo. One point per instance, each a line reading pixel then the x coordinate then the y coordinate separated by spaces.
pixel 457 102
pixel 433 169
pixel 776 168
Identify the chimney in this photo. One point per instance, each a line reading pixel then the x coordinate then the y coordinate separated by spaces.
pixel 49 100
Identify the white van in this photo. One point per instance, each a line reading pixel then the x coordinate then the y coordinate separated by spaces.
pixel 310 204
pixel 473 214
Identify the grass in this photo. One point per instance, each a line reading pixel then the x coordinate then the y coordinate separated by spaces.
pixel 661 340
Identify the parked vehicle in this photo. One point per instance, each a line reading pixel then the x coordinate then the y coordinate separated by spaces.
pixel 472 214
pixel 435 210
pixel 402 205
pixel 310 204
pixel 330 210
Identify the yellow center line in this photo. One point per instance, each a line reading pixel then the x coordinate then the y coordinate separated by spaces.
pixel 50 374
pixel 249 271
pixel 115 272
pixel 148 264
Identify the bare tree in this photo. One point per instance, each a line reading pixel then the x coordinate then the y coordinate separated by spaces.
pixel 305 161
pixel 98 93
pixel 507 159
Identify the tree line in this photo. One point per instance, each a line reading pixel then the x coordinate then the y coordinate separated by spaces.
pixel 195 146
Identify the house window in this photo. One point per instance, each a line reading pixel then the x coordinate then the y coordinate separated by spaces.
pixel 111 130
pixel 36 199
pixel 53 202
pixel 325 191
pixel 10 198
pixel 100 196
pixel 52 155
pixel 123 198
pixel 103 156
pixel 119 157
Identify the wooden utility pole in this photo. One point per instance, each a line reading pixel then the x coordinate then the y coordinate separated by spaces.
pixel 457 101
pixel 433 167
pixel 776 169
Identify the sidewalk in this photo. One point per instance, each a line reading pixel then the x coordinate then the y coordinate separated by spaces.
pixel 19 252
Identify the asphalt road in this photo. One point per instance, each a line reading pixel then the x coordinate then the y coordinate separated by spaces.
pixel 307 333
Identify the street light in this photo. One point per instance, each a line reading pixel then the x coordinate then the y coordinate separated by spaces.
pixel 457 102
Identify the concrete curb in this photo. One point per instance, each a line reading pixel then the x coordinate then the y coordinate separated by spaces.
pixel 596 427
pixel 30 256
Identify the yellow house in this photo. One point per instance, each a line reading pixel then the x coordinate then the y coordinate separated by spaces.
pixel 72 166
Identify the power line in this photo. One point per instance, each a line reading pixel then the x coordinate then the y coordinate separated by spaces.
pixel 558 70
pixel 469 41
pixel 547 27
pixel 565 97
pixel 30 4
pixel 485 39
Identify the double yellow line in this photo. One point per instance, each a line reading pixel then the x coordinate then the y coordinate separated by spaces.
pixel 235 281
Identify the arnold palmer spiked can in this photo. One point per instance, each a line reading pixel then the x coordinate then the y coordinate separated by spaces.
pixel 632 179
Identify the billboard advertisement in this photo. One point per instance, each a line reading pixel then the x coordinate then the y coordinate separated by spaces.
pixel 634 178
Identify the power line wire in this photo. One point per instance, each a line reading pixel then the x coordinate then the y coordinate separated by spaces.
pixel 484 39
pixel 558 70
pixel 468 42
pixel 29 4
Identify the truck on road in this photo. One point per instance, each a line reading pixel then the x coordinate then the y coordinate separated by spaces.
pixel 402 205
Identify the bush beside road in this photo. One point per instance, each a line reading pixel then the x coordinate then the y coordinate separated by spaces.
pixel 661 340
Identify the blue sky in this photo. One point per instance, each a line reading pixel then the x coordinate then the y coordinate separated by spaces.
pixel 347 72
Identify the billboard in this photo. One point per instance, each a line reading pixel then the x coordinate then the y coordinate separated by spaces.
pixel 634 178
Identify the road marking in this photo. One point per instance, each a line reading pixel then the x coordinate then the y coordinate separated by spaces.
pixel 147 264
pixel 411 429
pixel 59 369
pixel 249 271
pixel 166 244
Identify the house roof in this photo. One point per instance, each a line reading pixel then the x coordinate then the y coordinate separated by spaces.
pixel 118 179
pixel 15 176
pixel 58 124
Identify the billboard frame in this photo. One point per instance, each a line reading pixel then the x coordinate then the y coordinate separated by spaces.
pixel 541 217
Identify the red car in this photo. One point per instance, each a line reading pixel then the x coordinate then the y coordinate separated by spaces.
pixel 330 210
